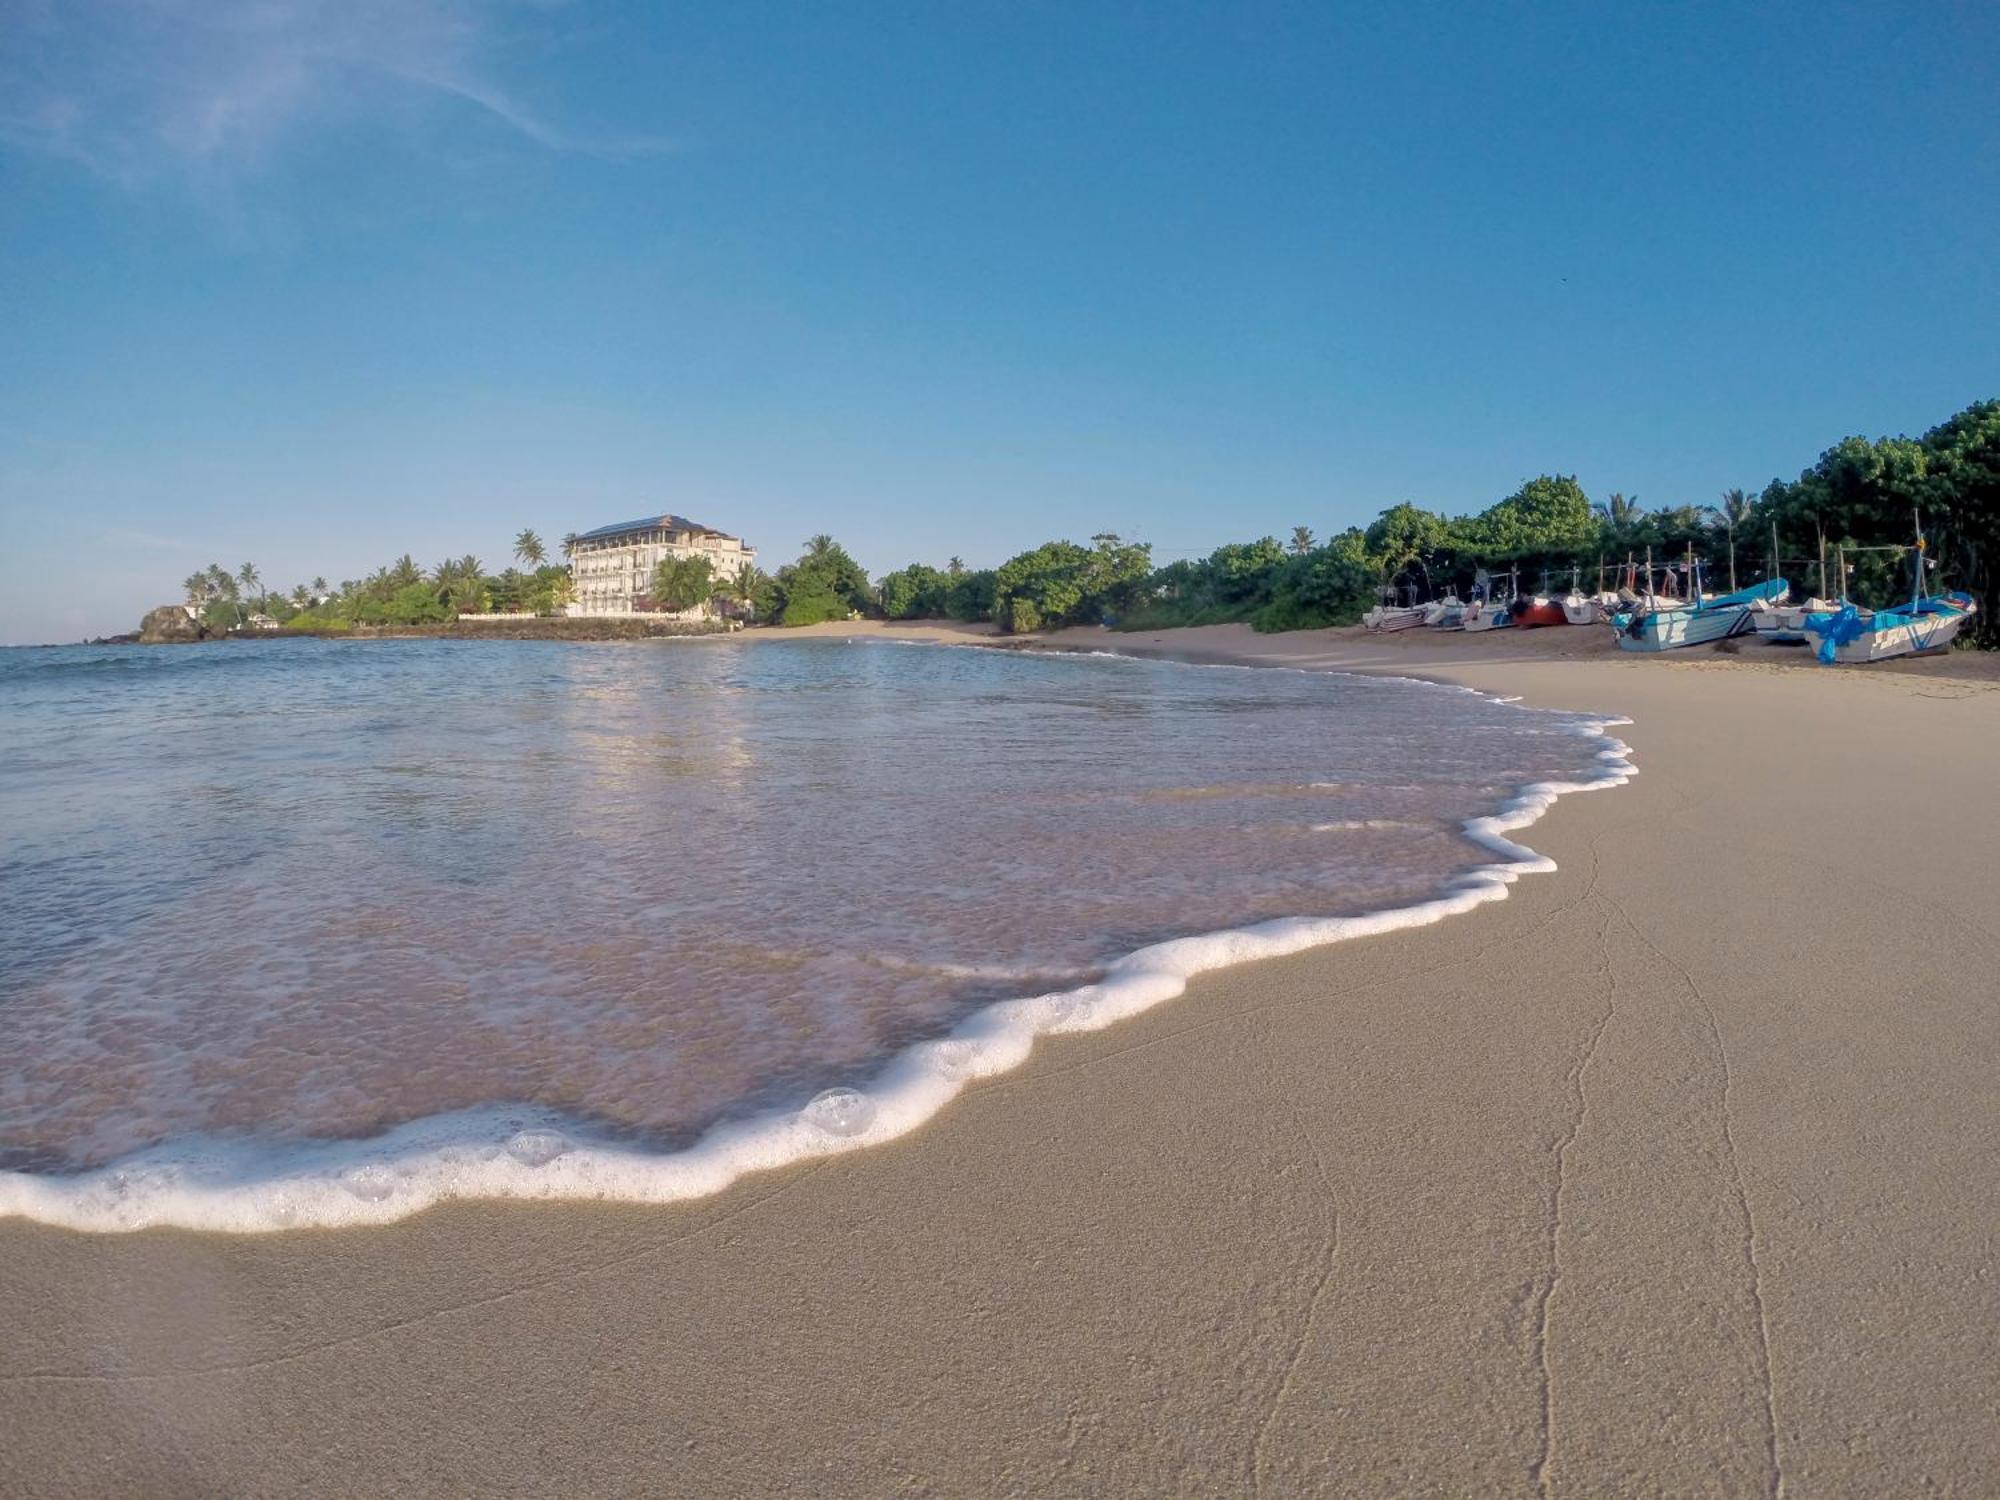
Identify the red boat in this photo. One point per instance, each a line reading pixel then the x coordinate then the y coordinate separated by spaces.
pixel 1537 611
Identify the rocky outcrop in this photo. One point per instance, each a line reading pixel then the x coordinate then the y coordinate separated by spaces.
pixel 169 624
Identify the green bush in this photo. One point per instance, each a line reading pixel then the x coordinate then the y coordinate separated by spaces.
pixel 813 605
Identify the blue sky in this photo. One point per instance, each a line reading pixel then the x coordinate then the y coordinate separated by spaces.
pixel 313 284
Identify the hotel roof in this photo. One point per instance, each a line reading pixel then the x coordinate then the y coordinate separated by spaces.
pixel 650 523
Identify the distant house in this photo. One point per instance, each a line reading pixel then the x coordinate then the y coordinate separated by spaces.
pixel 611 568
pixel 260 622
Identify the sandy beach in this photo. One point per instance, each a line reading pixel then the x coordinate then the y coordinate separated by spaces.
pixel 1674 1173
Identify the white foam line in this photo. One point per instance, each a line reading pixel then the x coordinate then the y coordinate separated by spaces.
pixel 500 1152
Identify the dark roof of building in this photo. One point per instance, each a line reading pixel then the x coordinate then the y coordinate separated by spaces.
pixel 650 523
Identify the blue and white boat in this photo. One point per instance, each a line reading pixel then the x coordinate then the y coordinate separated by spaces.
pixel 1928 622
pixel 1852 634
pixel 1664 625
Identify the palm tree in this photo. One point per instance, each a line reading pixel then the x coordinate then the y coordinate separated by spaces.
pixel 955 568
pixel 820 547
pixel 1624 519
pixel 528 548
pixel 404 572
pixel 1732 513
pixel 221 583
pixel 740 586
pixel 319 587
pixel 1302 540
pixel 569 544
pixel 196 585
pixel 247 576
pixel 301 596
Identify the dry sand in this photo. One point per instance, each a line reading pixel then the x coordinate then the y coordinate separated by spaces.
pixel 1673 1174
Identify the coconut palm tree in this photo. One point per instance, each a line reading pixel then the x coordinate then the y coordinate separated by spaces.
pixel 1734 511
pixel 319 587
pixel 1302 540
pixel 955 568
pixel 740 586
pixel 247 576
pixel 1624 519
pixel 196 587
pixel 569 542
pixel 528 548
pixel 221 582
pixel 301 597
pixel 404 572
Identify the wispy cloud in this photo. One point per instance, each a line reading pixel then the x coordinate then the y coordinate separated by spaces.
pixel 141 89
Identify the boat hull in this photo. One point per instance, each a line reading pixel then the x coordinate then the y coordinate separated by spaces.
pixel 1933 630
pixel 1395 619
pixel 1539 612
pixel 1671 629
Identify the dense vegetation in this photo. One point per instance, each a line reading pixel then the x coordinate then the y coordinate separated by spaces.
pixel 1861 494
pixel 400 593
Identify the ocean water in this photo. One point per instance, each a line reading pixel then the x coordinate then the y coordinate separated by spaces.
pixel 311 933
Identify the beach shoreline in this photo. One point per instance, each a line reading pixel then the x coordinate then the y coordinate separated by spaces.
pixel 1621 1183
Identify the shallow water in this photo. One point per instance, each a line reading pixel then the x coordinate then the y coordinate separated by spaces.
pixel 264 894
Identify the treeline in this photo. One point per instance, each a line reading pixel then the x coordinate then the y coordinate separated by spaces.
pixel 1861 494
pixel 399 593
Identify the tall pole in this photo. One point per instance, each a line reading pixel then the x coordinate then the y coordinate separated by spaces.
pixel 1917 583
pixel 1821 525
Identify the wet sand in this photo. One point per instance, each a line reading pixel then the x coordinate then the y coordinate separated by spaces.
pixel 1674 1173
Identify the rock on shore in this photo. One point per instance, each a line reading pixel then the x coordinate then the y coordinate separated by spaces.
pixel 169 624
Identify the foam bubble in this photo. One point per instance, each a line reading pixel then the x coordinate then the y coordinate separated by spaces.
pixel 371 1183
pixel 537 1148
pixel 954 1057
pixel 840 1112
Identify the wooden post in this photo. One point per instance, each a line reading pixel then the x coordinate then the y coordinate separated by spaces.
pixel 1821 525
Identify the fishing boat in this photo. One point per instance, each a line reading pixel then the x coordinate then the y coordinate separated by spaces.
pixel 1437 609
pixel 1385 617
pixel 1451 617
pixel 1537 609
pixel 1487 614
pixel 1927 623
pixel 1852 634
pixel 1665 625
pixel 1578 607
pixel 1774 617
pixel 1530 610
pixel 1777 620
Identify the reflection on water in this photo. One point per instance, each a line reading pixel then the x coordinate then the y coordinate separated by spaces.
pixel 318 889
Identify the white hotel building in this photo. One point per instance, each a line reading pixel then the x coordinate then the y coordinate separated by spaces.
pixel 611 568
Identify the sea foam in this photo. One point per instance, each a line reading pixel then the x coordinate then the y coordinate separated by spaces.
pixel 244 1185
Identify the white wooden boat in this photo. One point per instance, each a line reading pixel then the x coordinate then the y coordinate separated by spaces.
pixel 1437 609
pixel 1398 617
pixel 1579 609
pixel 1666 629
pixel 1849 634
pixel 1486 614
pixel 1778 621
